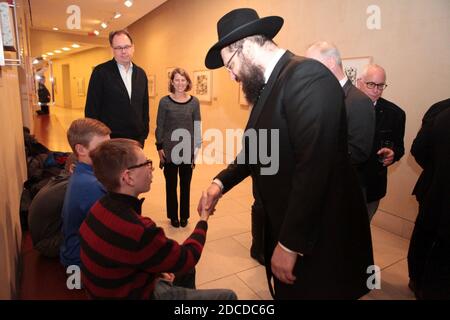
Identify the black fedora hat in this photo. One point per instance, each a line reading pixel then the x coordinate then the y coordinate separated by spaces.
pixel 239 24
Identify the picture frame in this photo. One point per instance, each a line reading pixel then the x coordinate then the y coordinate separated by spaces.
pixel 2 54
pixel 169 71
pixel 54 86
pixel 80 87
pixel 353 67
pixel 242 100
pixel 202 85
pixel 151 85
pixel 7 26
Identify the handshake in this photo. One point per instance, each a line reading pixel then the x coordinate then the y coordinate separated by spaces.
pixel 208 201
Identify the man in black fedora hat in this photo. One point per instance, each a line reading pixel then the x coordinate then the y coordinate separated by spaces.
pixel 317 235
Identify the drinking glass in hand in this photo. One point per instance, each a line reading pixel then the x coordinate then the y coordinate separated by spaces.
pixel 385 144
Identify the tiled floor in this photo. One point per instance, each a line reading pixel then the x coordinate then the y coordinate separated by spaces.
pixel 226 262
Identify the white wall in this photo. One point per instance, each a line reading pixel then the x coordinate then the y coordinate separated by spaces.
pixel 14 107
pixel 81 66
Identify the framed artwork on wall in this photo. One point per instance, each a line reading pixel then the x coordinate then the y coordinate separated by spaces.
pixel 2 54
pixel 168 71
pixel 202 85
pixel 151 85
pixel 80 87
pixel 7 27
pixel 353 67
pixel 54 86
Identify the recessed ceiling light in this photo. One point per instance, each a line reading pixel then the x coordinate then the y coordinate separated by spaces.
pixel 117 15
pixel 35 61
pixel 55 28
pixel 104 25
pixel 57 51
pixel 96 32
pixel 66 49
pixel 44 56
pixel 50 53
pixel 128 3
pixel 75 45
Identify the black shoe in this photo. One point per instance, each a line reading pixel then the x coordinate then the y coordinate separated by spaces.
pixel 175 223
pixel 183 222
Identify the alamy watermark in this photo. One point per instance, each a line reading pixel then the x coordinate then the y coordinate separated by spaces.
pixel 373 21
pixel 374 280
pixel 74 19
pixel 74 277
pixel 220 148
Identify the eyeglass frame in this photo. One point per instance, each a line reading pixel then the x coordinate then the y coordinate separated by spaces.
pixel 127 47
pixel 146 163
pixel 227 65
pixel 372 85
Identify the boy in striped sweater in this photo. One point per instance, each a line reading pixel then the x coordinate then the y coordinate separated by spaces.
pixel 125 255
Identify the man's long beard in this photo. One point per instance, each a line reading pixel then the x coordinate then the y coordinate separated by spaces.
pixel 252 78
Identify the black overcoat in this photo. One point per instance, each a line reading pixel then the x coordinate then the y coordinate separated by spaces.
pixel 313 203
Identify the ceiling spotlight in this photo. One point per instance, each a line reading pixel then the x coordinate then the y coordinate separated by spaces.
pixel 75 45
pixel 104 25
pixel 35 61
pixel 66 49
pixel 96 32
pixel 50 53
pixel 117 15
pixel 44 56
pixel 55 28
pixel 57 51
pixel 128 3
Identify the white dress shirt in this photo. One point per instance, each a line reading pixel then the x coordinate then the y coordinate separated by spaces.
pixel 126 76
pixel 343 81
pixel 271 65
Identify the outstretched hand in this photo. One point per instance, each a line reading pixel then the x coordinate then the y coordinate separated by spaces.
pixel 204 214
pixel 212 196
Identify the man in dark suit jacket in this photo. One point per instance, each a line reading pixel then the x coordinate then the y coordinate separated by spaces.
pixel 360 111
pixel 428 256
pixel 317 236
pixel 118 92
pixel 44 97
pixel 388 144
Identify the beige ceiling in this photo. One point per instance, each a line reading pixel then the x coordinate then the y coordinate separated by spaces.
pixel 47 14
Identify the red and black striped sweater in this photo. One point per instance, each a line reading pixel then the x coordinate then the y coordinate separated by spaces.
pixel 122 253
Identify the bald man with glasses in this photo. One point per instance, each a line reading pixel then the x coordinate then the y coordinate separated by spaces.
pixel 388 144
pixel 359 108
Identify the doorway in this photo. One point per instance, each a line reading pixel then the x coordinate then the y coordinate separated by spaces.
pixel 66 86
